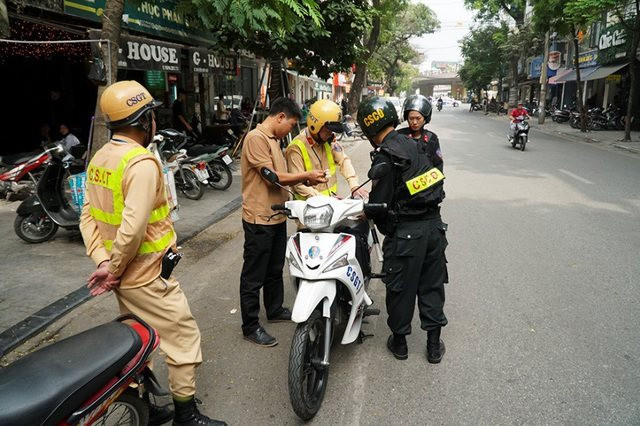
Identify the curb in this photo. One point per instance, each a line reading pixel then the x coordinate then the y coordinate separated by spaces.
pixel 32 325
pixel 627 148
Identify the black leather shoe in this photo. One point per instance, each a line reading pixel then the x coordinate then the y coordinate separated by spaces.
pixel 435 346
pixel 397 345
pixel 284 315
pixel 261 338
pixel 435 352
pixel 159 415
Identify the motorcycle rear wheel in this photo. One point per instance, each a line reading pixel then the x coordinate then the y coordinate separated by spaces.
pixel 220 175
pixel 35 228
pixel 191 187
pixel 128 410
pixel 307 382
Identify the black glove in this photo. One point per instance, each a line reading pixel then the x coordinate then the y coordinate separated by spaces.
pixel 169 261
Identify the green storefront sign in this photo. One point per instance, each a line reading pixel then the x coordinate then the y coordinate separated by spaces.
pixel 614 44
pixel 151 17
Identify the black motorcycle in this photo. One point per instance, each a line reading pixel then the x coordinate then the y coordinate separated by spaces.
pixel 40 215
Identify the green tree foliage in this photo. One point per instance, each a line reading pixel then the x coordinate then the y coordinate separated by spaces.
pixel 393 59
pixel 495 10
pixel 482 51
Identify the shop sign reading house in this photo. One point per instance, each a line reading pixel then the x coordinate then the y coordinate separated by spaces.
pixel 144 54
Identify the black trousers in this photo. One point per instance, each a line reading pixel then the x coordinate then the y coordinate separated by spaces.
pixel 264 250
pixel 416 267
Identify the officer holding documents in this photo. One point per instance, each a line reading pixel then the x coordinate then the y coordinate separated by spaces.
pixel 415 265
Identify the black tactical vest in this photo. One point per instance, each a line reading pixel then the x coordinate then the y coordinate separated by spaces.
pixel 414 172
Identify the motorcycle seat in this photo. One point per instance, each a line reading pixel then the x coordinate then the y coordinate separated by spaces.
pixel 48 385
pixel 15 159
pixel 197 150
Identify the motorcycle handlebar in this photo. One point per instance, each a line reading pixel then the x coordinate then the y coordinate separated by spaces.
pixel 375 207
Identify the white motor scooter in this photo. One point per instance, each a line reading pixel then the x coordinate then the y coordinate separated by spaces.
pixel 331 286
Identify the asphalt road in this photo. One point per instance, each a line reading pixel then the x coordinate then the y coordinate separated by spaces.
pixel 544 323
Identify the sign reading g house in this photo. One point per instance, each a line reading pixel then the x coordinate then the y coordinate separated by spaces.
pixel 203 61
pixel 144 54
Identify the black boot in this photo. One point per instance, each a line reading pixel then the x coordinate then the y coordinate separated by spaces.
pixel 187 414
pixel 158 414
pixel 435 346
pixel 397 345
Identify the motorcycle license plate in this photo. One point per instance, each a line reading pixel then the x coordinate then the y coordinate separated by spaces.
pixel 227 160
pixel 202 174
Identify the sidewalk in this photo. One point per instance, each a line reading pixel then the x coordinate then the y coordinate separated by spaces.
pixel 42 282
pixel 607 138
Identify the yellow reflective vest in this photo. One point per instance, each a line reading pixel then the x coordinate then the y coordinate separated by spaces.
pixel 333 189
pixel 105 176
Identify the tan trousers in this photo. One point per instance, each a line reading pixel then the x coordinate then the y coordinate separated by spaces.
pixel 163 305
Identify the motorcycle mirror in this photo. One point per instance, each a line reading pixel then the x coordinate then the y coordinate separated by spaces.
pixel 379 171
pixel 269 175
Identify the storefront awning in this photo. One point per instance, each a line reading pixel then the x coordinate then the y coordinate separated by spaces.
pixel 561 73
pixel 571 76
pixel 603 72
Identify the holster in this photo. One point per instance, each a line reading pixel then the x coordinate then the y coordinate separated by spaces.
pixel 169 261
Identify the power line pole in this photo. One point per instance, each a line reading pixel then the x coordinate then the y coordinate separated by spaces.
pixel 543 81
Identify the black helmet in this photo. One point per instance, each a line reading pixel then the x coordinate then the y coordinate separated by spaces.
pixel 374 114
pixel 418 103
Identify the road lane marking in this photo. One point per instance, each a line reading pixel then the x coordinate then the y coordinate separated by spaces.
pixel 576 177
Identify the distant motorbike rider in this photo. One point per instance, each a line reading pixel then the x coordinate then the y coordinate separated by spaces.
pixel 415 265
pixel 517 112
pixel 440 102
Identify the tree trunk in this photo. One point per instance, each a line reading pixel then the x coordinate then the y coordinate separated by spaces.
pixel 513 85
pixel 576 63
pixel 359 80
pixel 633 75
pixel 111 29
pixel 543 81
pixel 275 89
pixel 5 30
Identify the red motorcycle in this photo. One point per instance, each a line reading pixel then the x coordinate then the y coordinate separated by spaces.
pixel 23 176
pixel 84 379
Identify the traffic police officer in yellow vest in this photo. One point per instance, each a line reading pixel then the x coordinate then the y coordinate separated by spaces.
pixel 128 233
pixel 316 149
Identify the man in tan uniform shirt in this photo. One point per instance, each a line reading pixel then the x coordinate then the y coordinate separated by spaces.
pixel 316 148
pixel 265 237
pixel 127 230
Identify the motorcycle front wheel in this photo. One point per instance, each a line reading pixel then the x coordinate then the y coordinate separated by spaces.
pixel 35 228
pixel 523 142
pixel 220 175
pixel 307 378
pixel 128 410
pixel 190 185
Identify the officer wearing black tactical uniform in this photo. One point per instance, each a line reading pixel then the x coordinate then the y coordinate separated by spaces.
pixel 414 259
pixel 417 113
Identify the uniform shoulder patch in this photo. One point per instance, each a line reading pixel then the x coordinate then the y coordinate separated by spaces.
pixel 336 147
pixel 439 153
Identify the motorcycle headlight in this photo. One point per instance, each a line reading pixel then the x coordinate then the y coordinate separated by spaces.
pixel 317 217
pixel 293 262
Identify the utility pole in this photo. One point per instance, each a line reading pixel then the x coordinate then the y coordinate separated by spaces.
pixel 543 81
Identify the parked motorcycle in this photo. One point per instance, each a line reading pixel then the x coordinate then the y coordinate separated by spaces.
pixel 215 157
pixel 84 379
pixel 24 171
pixel 39 216
pixel 190 176
pixel 332 277
pixel 521 133
pixel 563 115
